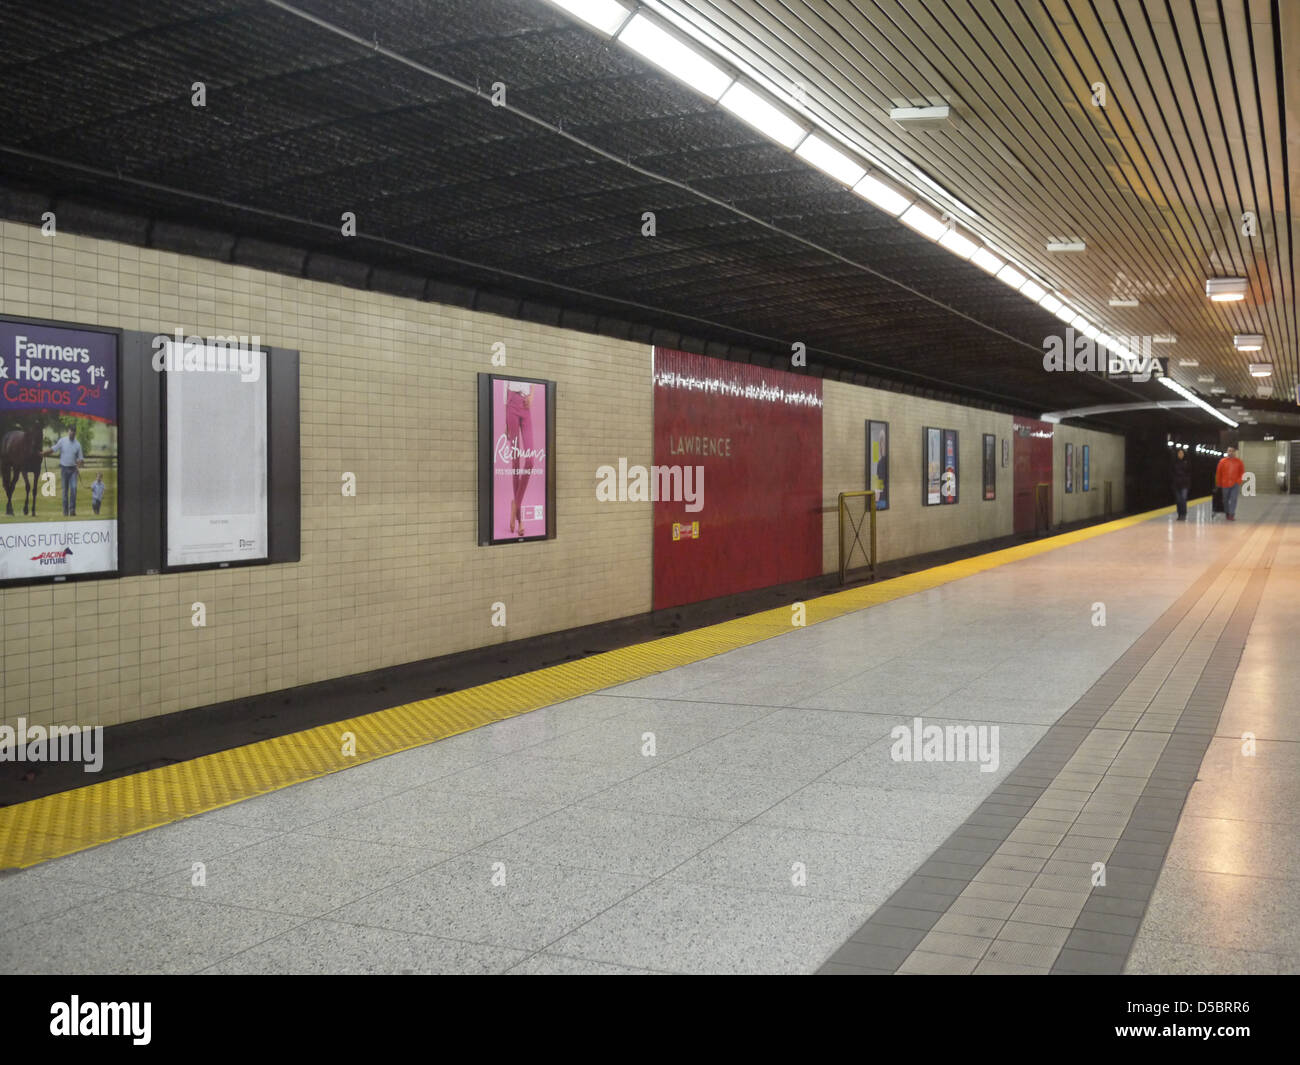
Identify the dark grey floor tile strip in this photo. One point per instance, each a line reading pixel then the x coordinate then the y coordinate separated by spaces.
pixel 890 934
pixel 1139 855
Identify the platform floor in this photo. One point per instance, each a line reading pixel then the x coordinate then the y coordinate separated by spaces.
pixel 747 814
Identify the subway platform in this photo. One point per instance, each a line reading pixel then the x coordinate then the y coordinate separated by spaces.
pixel 1080 757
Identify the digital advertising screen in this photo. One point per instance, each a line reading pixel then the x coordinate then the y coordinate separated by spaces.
pixel 516 467
pixel 215 404
pixel 878 462
pixel 58 451
pixel 933 466
pixel 951 468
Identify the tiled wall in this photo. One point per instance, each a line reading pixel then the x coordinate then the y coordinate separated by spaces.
pixel 393 575
pixel 1260 458
pixel 909 527
pixel 1105 463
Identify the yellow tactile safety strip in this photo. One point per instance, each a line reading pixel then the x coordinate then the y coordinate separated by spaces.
pixel 70 821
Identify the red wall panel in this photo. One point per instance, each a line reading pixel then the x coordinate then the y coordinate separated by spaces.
pixel 757 433
pixel 1033 459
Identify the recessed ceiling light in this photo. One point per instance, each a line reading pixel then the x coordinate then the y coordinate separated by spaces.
pixel 830 160
pixel 873 190
pixel 1066 245
pixel 1248 341
pixel 667 51
pixel 921 117
pixel 764 116
pixel 1115 302
pixel 605 15
pixel 1226 289
pixel 987 261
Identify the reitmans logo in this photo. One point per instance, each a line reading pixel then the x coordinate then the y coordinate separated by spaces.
pixel 53 558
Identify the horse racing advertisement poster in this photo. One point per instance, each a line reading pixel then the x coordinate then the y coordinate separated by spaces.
pixel 58 451
pixel 516 468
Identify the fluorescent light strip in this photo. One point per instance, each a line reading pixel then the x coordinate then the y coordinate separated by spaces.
pixel 830 160
pixel 923 222
pixel 958 244
pixel 1033 290
pixel 654 43
pixel 604 15
pixel 766 117
pixel 877 192
pixel 1009 275
pixel 1173 385
pixel 987 261
pixel 1051 304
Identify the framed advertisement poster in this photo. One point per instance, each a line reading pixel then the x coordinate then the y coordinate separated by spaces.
pixel 990 466
pixel 1086 472
pixel 217 449
pixel 878 462
pixel 516 465
pixel 931 466
pixel 1069 467
pixel 951 466
pixel 59 412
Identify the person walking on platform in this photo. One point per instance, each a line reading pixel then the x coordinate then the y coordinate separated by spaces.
pixel 1182 476
pixel 1228 475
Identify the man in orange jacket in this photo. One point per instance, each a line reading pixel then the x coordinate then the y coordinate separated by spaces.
pixel 1227 476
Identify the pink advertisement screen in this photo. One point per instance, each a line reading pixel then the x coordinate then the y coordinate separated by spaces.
pixel 519 459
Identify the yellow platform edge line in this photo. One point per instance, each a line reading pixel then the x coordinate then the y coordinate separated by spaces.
pixel 70 821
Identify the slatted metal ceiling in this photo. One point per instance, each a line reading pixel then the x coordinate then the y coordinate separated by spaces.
pixel 1201 98
pixel 302 124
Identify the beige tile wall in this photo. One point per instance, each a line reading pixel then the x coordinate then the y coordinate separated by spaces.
pixel 909 527
pixel 394 575
pixel 1105 463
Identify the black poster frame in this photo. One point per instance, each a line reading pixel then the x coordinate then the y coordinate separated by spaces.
pixel 485 447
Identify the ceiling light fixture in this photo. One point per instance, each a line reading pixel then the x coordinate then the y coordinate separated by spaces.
pixel 1173 385
pixel 830 160
pixel 1261 369
pixel 959 245
pixel 1116 302
pixel 667 51
pixel 1189 362
pixel 1033 290
pixel 935 117
pixel 875 191
pixel 1164 338
pixel 1066 245
pixel 755 110
pixel 1248 341
pixel 987 261
pixel 1226 289
pixel 1051 304
pixel 923 221
pixel 1009 275
pixel 604 15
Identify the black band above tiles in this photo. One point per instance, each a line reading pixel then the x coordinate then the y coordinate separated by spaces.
pixel 594 316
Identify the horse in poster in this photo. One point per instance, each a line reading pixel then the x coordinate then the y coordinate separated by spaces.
pixel 20 453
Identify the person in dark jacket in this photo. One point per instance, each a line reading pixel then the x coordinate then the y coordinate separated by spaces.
pixel 1182 477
